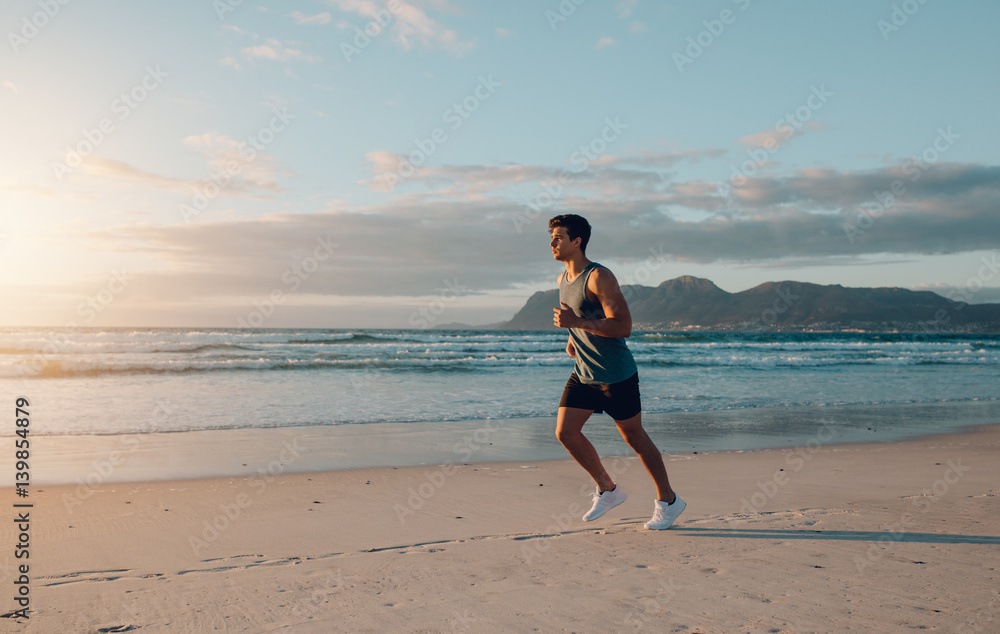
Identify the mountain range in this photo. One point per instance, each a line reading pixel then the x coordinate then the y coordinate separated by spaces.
pixel 695 303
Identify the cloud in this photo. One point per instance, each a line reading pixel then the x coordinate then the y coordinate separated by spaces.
pixel 774 137
pixel 13 87
pixel 230 62
pixel 13 187
pixel 607 173
pixel 110 169
pixel 504 34
pixel 949 208
pixel 410 25
pixel 604 42
pixel 390 169
pixel 829 189
pixel 302 18
pixel 652 158
pixel 194 103
pixel 637 27
pixel 250 257
pixel 472 225
pixel 973 294
pixel 275 51
pixel 259 176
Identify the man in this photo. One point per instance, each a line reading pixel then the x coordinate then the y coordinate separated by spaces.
pixel 605 377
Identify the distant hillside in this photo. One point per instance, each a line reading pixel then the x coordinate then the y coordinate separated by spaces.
pixel 696 303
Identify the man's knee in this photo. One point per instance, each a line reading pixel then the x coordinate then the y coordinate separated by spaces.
pixel 567 435
pixel 634 438
pixel 569 424
pixel 632 432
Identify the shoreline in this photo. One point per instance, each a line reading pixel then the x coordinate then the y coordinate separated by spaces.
pixel 164 456
pixel 864 536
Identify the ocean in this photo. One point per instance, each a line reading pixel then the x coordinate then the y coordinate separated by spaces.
pixel 145 380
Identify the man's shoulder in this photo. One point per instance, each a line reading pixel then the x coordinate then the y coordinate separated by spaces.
pixel 601 273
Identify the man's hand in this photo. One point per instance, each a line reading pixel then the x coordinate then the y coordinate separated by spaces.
pixel 564 317
pixel 570 350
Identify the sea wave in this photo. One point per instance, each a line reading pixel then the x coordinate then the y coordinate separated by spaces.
pixel 81 367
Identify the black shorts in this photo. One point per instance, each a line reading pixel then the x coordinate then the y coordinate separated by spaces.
pixel 619 400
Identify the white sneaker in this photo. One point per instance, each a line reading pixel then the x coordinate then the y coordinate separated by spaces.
pixel 664 514
pixel 604 502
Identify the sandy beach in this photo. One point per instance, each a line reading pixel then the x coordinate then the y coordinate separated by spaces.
pixel 861 537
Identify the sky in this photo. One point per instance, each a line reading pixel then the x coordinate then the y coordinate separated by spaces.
pixel 359 163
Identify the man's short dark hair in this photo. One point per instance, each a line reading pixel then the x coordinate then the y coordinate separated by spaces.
pixel 576 227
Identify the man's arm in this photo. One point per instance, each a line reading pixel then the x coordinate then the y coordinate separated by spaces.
pixel 617 320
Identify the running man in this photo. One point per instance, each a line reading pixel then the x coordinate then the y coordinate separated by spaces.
pixel 605 377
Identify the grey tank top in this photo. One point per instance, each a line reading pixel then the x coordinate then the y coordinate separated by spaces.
pixel 600 360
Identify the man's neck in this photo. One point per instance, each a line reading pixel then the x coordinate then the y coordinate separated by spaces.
pixel 575 266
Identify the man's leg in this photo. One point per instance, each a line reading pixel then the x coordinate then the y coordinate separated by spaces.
pixel 569 422
pixel 637 438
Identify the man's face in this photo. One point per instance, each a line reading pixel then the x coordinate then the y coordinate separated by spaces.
pixel 562 247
